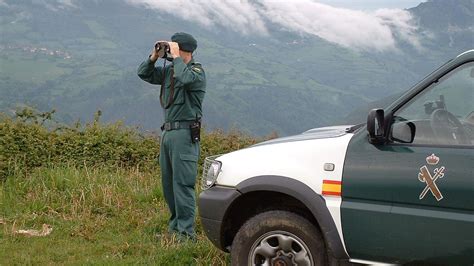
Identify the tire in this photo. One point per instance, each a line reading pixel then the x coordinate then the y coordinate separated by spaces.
pixel 278 238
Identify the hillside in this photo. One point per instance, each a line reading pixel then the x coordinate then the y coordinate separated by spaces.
pixel 83 57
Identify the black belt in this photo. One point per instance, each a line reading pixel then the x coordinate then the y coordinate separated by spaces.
pixel 176 125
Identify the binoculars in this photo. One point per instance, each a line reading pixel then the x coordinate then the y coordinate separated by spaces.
pixel 163 49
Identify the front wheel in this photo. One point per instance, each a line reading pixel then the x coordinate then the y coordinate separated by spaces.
pixel 278 238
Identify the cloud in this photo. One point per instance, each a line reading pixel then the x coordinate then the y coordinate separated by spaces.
pixel 360 30
pixel 402 25
pixel 56 5
pixel 349 28
pixel 67 3
pixel 240 16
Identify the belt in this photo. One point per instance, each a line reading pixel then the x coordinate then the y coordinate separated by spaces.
pixel 176 125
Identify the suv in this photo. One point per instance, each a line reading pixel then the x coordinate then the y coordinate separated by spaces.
pixel 398 189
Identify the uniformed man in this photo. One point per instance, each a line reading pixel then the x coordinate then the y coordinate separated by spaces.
pixel 183 85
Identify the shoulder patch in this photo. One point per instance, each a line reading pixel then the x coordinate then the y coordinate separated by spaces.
pixel 197 69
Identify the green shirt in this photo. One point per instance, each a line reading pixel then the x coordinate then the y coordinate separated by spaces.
pixel 189 87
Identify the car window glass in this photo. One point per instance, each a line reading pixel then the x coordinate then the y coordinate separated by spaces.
pixel 443 114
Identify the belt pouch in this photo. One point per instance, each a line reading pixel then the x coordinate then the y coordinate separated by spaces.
pixel 195 132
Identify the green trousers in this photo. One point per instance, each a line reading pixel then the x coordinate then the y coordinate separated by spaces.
pixel 178 162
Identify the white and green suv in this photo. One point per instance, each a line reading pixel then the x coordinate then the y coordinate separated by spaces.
pixel 399 189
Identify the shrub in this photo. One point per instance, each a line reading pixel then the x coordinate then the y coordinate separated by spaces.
pixel 25 143
pixel 31 139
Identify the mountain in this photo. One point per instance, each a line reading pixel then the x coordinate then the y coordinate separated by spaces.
pixel 81 56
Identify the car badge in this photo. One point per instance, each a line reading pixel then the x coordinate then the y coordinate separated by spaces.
pixel 425 176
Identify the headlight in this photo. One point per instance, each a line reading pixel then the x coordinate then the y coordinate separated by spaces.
pixel 211 170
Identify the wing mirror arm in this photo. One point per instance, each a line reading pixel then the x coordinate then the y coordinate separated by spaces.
pixel 376 126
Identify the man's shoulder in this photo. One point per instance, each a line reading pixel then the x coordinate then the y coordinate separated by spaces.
pixel 197 67
pixel 196 64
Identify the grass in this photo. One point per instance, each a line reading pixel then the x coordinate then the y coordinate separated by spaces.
pixel 98 187
pixel 102 215
pixel 42 69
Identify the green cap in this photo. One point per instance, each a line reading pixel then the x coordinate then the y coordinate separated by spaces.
pixel 186 41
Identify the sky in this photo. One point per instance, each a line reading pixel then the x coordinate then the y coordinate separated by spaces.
pixel 371 5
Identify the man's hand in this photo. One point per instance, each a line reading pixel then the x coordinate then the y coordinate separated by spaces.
pixel 174 49
pixel 154 53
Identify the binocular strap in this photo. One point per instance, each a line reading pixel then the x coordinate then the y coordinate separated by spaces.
pixel 162 94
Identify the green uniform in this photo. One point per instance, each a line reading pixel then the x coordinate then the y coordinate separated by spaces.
pixel 178 154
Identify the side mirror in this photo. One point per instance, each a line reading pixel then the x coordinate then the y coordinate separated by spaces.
pixel 375 126
pixel 403 132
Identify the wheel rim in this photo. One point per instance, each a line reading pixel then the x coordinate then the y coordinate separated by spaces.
pixel 280 248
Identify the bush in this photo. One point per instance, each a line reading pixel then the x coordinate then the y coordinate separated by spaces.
pixel 27 143
pixel 31 139
pixel 97 185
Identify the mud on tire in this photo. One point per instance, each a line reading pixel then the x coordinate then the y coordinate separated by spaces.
pixel 278 237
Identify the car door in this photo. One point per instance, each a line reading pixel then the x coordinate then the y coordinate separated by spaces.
pixel 411 198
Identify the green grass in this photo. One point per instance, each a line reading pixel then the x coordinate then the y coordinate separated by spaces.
pixel 42 69
pixel 98 187
pixel 102 215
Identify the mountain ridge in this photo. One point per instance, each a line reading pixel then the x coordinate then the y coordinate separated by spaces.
pixel 286 82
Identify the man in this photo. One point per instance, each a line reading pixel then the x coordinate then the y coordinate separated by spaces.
pixel 183 85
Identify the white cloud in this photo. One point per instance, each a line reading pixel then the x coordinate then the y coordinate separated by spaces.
pixel 349 28
pixel 355 29
pixel 56 5
pixel 360 30
pixel 240 16
pixel 67 3
pixel 402 25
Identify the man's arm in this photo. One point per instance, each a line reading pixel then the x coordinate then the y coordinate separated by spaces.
pixel 149 73
pixel 147 70
pixel 185 74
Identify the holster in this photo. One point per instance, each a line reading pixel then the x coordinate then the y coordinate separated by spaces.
pixel 195 131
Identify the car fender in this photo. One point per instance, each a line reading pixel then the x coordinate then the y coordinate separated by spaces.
pixel 313 201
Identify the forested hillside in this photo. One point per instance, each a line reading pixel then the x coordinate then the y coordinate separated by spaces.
pixel 82 57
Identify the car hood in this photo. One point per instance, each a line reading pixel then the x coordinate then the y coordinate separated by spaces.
pixel 294 156
pixel 315 133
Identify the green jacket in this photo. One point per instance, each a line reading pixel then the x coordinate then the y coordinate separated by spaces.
pixel 189 87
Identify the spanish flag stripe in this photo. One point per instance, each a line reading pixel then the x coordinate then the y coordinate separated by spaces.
pixel 331 188
pixel 331 182
pixel 328 193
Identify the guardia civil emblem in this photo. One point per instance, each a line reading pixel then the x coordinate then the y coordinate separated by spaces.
pixel 430 179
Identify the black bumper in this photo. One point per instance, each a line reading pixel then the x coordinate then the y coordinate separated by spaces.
pixel 213 205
